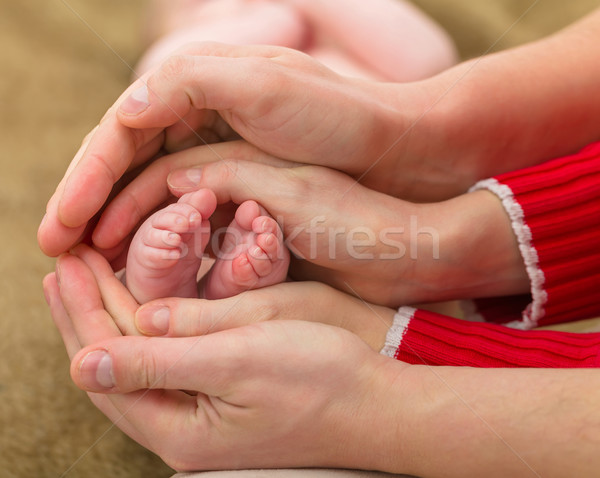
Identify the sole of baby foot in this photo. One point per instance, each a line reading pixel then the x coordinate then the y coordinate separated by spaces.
pixel 167 250
pixel 252 255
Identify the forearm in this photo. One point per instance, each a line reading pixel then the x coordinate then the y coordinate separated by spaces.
pixel 465 248
pixel 506 111
pixel 496 422
pixel 532 231
pixel 528 104
pixel 422 337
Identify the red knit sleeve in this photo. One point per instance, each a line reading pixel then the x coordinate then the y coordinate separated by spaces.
pixel 554 208
pixel 427 338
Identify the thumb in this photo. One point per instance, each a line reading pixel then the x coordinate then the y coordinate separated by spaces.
pixel 127 364
pixel 176 317
pixel 201 76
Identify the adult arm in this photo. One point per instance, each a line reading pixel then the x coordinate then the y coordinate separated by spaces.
pixel 554 209
pixel 377 414
pixel 518 107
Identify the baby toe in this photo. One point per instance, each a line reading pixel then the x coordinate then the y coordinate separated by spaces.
pixel 270 245
pixel 203 201
pixel 266 224
pixel 162 239
pixel 259 260
pixel 178 218
pixel 243 273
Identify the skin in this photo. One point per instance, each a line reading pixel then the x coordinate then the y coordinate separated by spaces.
pixel 415 252
pixel 166 253
pixel 449 419
pixel 373 43
pixel 439 410
pixel 379 36
pixel 379 133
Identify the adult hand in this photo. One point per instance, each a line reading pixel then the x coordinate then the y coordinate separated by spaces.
pixel 280 100
pixel 385 250
pixel 272 394
pixel 427 140
pixel 290 393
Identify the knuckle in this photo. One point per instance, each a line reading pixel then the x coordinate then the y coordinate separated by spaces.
pixel 222 172
pixel 148 372
pixel 266 306
pixel 189 320
pixel 175 66
pixel 275 82
pixel 103 165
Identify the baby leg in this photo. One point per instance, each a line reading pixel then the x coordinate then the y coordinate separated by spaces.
pixel 242 22
pixel 251 256
pixel 391 38
pixel 166 252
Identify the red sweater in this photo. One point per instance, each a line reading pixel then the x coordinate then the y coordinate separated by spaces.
pixel 554 208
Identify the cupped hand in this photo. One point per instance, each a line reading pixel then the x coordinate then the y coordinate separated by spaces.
pixel 272 394
pixel 379 248
pixel 342 233
pixel 280 100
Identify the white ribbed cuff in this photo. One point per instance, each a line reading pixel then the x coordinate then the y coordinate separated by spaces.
pixel 534 311
pixel 396 333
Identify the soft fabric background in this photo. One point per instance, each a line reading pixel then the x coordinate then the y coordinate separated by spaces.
pixel 62 63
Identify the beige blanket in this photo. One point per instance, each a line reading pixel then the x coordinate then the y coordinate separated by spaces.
pixel 62 63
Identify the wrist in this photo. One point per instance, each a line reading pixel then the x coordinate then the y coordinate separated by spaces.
pixel 400 158
pixel 383 435
pixel 479 253
pixel 457 249
pixel 427 140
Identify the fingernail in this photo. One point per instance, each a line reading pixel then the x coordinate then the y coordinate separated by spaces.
pixel 136 102
pixel 95 371
pixel 153 320
pixel 185 178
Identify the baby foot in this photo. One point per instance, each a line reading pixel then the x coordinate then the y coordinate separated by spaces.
pixel 166 251
pixel 251 256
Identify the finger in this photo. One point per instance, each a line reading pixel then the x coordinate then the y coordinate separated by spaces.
pixel 177 317
pixel 107 152
pixel 150 189
pixel 59 315
pixel 117 300
pixel 210 364
pixel 276 189
pixel 194 317
pixel 106 159
pixel 54 238
pixel 82 301
pixel 199 76
pixel 105 156
pixel 156 419
pixel 65 327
